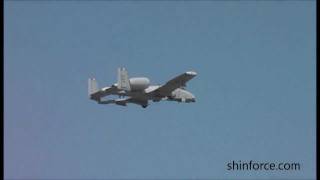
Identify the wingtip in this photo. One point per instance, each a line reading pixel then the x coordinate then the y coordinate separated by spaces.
pixel 193 73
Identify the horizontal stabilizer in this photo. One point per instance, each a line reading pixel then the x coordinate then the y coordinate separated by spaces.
pixel 121 102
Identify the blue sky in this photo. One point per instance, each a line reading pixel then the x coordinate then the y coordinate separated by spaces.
pixel 255 88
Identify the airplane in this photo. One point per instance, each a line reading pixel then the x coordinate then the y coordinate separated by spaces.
pixel 138 90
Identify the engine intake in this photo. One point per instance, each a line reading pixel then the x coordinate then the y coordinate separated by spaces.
pixel 139 83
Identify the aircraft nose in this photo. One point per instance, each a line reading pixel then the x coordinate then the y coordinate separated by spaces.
pixel 191 100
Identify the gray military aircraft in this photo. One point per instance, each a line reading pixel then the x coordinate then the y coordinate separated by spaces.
pixel 138 90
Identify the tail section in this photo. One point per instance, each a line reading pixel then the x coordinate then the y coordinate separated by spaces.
pixel 92 86
pixel 123 80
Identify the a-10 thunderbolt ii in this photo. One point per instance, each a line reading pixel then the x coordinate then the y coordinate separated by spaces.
pixel 138 90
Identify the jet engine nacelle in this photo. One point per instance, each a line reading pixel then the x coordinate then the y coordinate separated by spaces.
pixel 139 83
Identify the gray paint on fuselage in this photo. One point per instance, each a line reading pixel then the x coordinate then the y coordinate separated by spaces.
pixel 179 95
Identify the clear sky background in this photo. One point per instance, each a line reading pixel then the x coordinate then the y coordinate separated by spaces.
pixel 255 88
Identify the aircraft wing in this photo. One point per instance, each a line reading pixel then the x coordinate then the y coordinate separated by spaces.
pixel 177 82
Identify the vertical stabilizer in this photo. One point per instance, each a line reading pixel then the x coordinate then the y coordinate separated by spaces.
pixel 92 86
pixel 123 80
